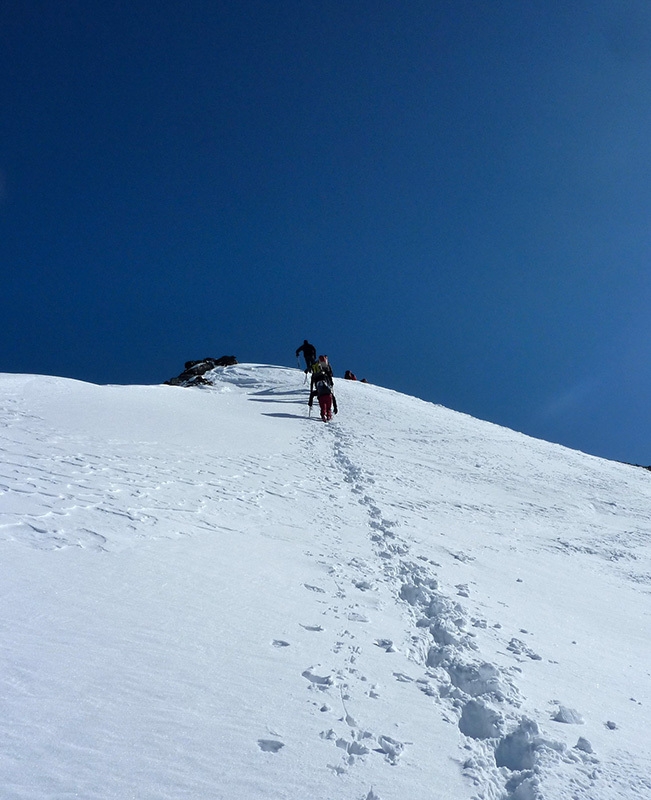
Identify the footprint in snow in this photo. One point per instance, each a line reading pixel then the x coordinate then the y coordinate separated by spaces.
pixel 313 628
pixel 317 589
pixel 270 745
pixel 519 648
pixel 322 681
pixel 355 617
pixel 280 643
pixel 391 748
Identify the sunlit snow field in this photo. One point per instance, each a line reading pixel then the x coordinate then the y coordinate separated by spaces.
pixel 208 594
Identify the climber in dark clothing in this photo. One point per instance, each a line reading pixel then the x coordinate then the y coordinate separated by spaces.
pixel 321 387
pixel 309 354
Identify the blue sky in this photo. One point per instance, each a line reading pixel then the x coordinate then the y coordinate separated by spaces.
pixel 452 199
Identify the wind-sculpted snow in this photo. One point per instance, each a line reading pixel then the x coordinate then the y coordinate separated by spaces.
pixel 210 594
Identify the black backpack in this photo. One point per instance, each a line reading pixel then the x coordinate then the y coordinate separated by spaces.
pixel 322 384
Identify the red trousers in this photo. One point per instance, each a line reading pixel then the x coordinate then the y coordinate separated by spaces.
pixel 325 404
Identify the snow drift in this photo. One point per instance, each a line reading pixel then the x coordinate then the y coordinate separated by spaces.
pixel 208 594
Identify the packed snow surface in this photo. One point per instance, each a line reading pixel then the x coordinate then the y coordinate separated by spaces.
pixel 206 593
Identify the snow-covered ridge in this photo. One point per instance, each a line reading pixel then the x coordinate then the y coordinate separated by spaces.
pixel 264 377
pixel 406 602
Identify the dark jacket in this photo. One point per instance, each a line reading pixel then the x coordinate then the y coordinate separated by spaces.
pixel 320 384
pixel 324 369
pixel 309 352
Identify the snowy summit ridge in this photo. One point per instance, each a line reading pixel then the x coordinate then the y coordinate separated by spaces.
pixel 207 593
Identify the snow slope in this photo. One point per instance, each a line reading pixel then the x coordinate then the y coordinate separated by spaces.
pixel 207 594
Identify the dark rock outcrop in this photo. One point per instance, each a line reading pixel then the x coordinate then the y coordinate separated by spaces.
pixel 194 371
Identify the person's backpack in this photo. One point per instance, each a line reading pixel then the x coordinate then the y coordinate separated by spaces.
pixel 323 366
pixel 322 384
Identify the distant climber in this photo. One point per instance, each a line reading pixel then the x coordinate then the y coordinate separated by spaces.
pixel 309 354
pixel 321 386
pixel 350 376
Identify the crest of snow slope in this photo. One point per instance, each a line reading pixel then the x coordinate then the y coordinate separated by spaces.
pixel 207 594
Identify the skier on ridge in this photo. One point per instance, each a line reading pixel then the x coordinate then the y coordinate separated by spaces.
pixel 309 354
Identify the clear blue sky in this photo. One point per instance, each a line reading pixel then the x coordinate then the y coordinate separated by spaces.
pixel 450 198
